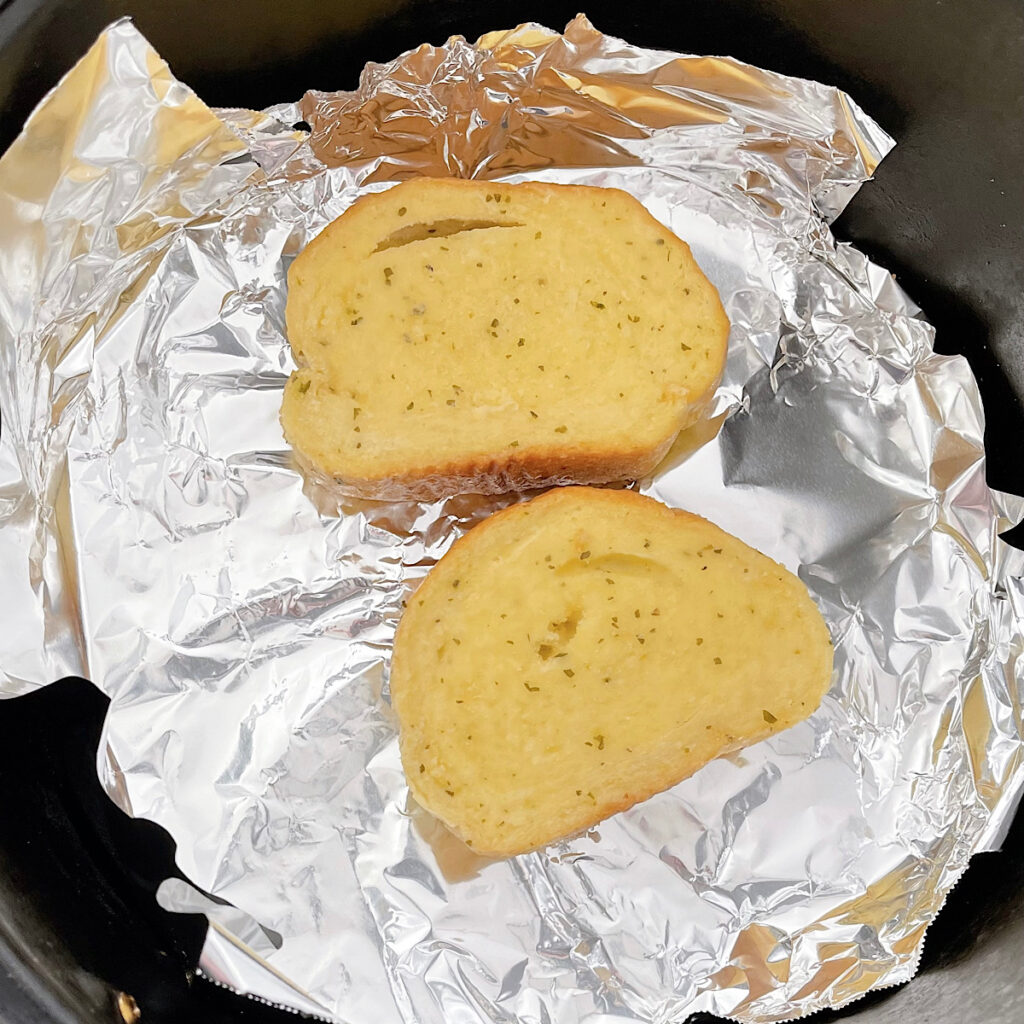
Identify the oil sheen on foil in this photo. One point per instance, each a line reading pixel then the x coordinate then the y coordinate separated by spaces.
pixel 157 539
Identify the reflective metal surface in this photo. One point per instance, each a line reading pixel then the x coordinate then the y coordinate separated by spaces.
pixel 242 634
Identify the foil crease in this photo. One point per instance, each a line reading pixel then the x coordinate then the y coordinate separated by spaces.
pixel 156 538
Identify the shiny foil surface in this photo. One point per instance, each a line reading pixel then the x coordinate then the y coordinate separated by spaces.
pixel 157 538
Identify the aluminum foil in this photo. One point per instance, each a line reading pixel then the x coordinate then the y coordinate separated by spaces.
pixel 157 538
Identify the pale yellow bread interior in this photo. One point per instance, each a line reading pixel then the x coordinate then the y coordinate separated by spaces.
pixel 466 336
pixel 577 653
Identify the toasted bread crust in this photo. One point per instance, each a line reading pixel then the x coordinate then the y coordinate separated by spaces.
pixel 530 470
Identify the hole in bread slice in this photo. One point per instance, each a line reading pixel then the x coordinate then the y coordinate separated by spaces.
pixel 438 229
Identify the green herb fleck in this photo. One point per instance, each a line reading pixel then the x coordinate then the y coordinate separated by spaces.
pixel 768 717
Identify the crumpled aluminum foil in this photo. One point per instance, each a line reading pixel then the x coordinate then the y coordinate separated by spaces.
pixel 157 539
